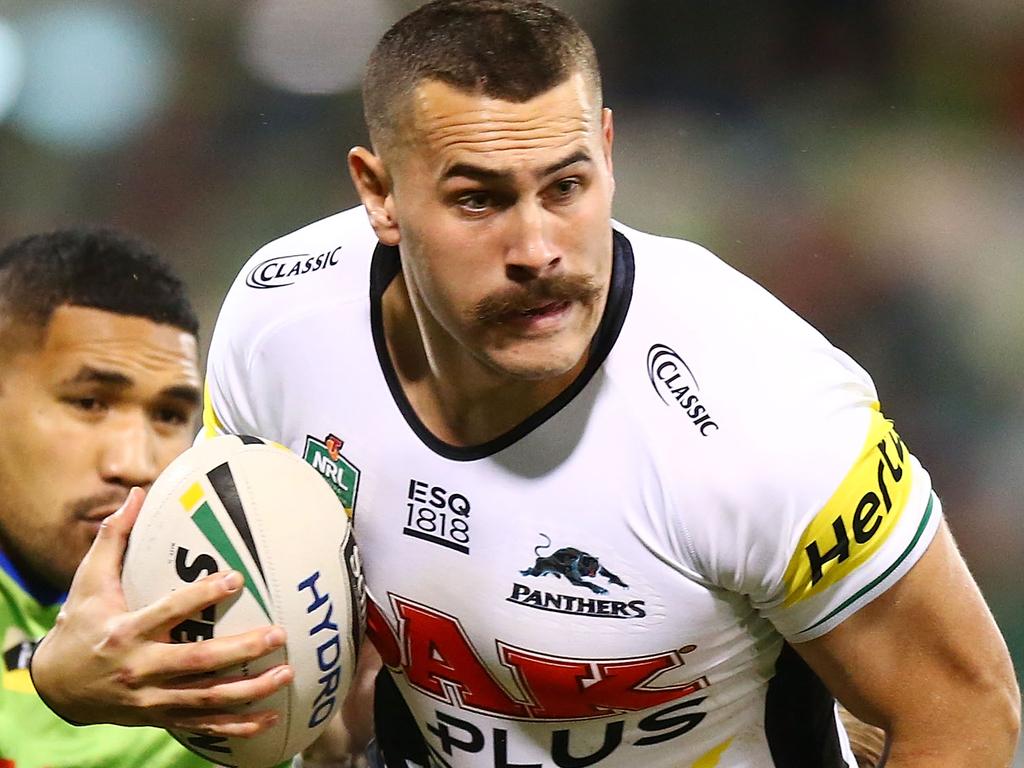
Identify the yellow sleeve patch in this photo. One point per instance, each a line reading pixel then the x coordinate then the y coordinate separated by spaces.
pixel 857 519
pixel 17 680
pixel 212 425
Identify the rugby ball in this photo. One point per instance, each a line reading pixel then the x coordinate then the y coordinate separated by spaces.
pixel 244 503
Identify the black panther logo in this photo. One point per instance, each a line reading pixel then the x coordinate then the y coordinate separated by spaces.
pixel 573 564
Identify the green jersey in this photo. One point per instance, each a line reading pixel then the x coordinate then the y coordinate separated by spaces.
pixel 31 736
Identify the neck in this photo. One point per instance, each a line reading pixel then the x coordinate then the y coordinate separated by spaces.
pixel 459 399
pixel 43 592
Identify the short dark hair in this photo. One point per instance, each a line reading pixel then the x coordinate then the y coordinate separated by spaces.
pixel 506 49
pixel 96 268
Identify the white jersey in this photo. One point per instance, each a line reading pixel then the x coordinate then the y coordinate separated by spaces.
pixel 613 582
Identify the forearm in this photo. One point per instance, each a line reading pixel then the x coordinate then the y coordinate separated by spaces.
pixel 983 733
pixel 336 747
pixel 981 756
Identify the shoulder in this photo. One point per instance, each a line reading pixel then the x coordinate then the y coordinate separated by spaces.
pixel 319 266
pixel 745 352
pixel 741 387
pixel 681 283
pixel 291 294
pixel 804 496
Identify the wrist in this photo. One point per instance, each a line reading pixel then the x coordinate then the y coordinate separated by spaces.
pixel 41 684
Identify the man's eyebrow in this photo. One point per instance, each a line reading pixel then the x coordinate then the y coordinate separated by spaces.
pixel 87 374
pixel 579 156
pixel 185 392
pixel 477 173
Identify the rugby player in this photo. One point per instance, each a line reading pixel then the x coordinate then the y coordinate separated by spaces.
pixel 99 390
pixel 618 506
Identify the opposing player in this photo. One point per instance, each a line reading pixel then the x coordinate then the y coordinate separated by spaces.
pixel 867 742
pixel 99 390
pixel 618 506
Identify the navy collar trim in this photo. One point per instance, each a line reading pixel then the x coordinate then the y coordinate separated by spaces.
pixel 385 267
pixel 42 593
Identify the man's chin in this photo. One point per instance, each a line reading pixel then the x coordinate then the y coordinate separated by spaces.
pixel 56 576
pixel 527 362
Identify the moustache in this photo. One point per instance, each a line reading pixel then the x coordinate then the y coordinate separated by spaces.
pixel 82 508
pixel 513 301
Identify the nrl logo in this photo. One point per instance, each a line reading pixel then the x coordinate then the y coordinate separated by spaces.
pixel 341 474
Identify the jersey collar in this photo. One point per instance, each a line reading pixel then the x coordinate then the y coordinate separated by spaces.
pixel 34 587
pixel 386 265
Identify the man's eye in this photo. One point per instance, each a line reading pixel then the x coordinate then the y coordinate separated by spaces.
pixel 88 404
pixel 475 201
pixel 171 416
pixel 566 187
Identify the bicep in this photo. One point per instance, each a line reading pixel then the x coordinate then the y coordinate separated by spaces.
pixel 925 648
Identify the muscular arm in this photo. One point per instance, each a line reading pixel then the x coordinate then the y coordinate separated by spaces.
pixel 926 662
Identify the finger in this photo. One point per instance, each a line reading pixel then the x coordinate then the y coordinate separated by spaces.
pixel 218 695
pixel 101 565
pixel 224 724
pixel 157 618
pixel 162 662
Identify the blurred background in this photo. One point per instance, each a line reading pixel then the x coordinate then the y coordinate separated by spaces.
pixel 862 159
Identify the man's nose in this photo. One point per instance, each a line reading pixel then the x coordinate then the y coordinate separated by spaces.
pixel 128 452
pixel 531 252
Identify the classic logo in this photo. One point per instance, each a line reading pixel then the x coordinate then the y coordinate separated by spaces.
pixel 279 271
pixel 576 566
pixel 340 473
pixel 675 384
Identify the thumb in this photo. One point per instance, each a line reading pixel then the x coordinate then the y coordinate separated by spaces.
pixel 102 563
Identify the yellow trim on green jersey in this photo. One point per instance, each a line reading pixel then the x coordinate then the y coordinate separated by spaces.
pixel 858 518
pixel 31 736
pixel 17 680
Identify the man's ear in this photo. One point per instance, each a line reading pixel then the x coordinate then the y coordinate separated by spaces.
pixel 373 184
pixel 608 138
